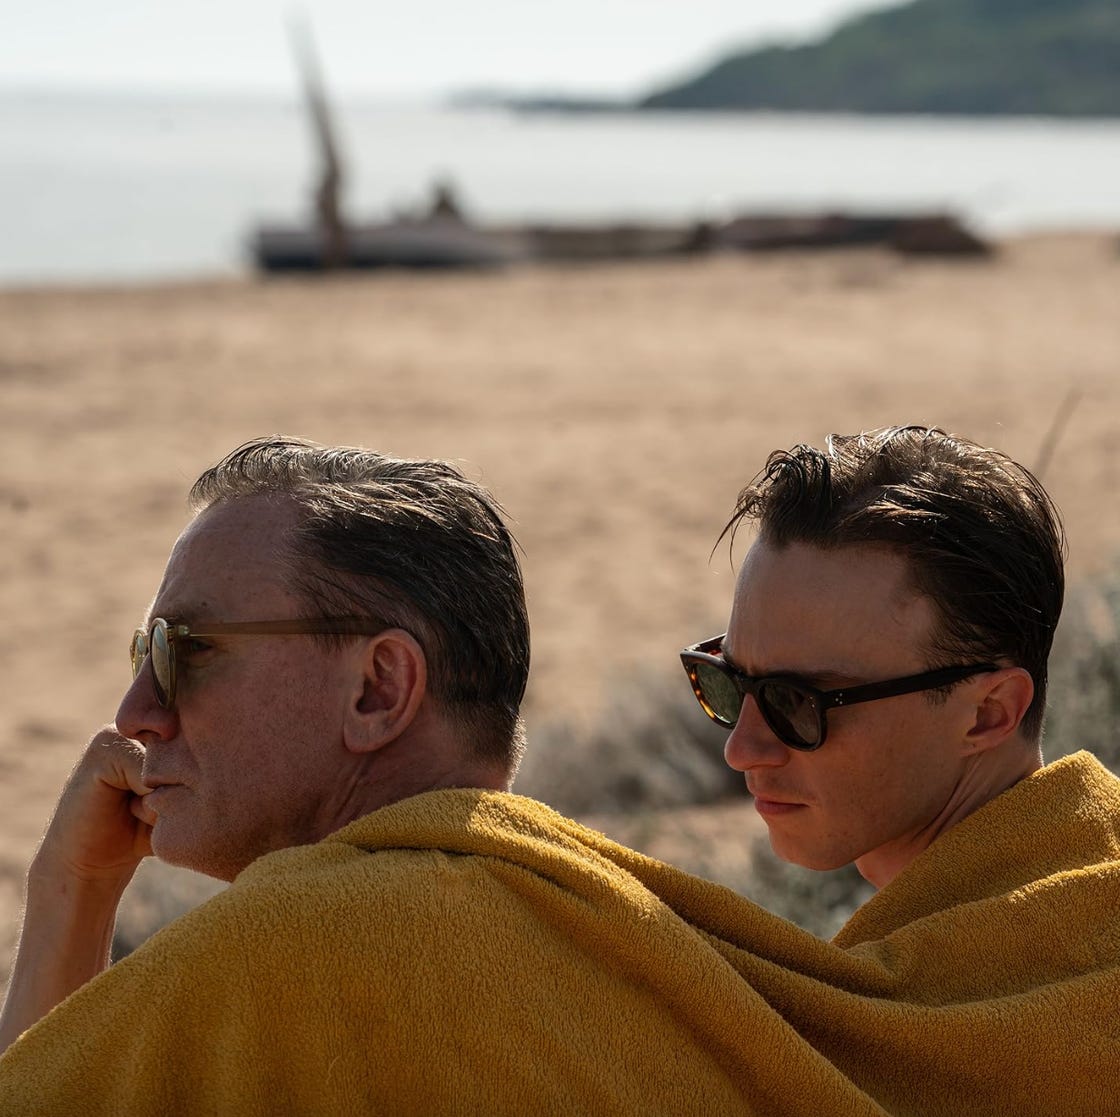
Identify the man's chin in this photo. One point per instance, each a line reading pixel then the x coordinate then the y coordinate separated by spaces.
pixel 186 853
pixel 820 861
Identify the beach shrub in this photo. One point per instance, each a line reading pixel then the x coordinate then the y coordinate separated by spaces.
pixel 1084 700
pixel 661 755
pixel 820 902
pixel 653 748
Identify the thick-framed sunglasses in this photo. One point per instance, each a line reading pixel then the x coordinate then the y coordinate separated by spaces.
pixel 157 642
pixel 793 709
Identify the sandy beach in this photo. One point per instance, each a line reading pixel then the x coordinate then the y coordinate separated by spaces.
pixel 614 410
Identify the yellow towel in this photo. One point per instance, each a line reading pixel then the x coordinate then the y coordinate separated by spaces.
pixel 468 952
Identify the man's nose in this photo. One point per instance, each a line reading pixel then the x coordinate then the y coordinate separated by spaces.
pixel 752 743
pixel 140 716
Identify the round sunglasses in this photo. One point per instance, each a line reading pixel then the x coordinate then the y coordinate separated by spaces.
pixel 794 710
pixel 157 642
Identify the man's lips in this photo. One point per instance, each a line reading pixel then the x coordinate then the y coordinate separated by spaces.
pixel 774 807
pixel 151 804
pixel 159 784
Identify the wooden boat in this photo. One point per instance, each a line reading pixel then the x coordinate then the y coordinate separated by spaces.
pixel 433 243
pixel 444 239
pixel 440 240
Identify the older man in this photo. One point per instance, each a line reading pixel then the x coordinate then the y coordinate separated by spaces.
pixel 324 709
pixel 335 631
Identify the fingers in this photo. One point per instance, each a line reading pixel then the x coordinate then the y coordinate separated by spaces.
pixel 119 759
pixel 100 828
pixel 141 811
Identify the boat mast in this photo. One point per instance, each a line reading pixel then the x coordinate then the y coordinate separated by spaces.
pixel 327 205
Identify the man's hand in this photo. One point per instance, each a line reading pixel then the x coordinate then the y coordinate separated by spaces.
pixel 99 833
pixel 101 829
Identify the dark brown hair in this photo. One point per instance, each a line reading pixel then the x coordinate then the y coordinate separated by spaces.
pixel 412 544
pixel 983 540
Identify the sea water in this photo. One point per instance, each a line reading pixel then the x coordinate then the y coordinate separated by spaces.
pixel 116 187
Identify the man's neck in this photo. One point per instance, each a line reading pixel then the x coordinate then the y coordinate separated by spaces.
pixel 983 779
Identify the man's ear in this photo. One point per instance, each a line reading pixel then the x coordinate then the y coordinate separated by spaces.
pixel 392 683
pixel 1002 699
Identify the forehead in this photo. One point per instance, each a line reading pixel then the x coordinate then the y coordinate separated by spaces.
pixel 230 563
pixel 849 610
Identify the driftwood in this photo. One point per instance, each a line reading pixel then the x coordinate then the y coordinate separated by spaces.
pixel 939 235
pixel 926 234
pixel 624 241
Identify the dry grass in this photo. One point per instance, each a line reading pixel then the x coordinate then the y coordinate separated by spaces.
pixel 1084 700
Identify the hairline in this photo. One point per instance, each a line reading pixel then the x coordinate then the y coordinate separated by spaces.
pixel 299 567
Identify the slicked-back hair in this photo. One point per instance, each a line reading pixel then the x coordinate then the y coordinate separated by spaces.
pixel 408 543
pixel 982 539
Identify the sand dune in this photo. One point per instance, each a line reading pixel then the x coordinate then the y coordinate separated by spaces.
pixel 615 411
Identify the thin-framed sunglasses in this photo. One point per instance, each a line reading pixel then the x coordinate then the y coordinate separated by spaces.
pixel 794 710
pixel 157 642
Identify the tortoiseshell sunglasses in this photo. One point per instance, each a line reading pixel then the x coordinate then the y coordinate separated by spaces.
pixel 793 709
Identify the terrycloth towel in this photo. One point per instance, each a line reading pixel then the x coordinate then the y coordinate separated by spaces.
pixel 467 952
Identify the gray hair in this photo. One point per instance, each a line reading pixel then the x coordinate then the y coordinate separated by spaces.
pixel 411 544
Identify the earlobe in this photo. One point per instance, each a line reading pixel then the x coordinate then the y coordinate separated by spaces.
pixel 387 694
pixel 1003 701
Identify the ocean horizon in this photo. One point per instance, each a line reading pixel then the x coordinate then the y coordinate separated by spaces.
pixel 114 187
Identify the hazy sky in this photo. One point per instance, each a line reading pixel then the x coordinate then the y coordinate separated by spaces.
pixel 403 49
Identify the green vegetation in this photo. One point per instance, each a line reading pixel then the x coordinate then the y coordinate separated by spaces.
pixel 1032 57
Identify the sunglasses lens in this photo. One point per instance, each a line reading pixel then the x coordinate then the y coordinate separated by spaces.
pixel 160 648
pixel 791 713
pixel 138 650
pixel 720 695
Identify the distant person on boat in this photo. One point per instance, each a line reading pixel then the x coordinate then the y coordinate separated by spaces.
pixel 324 711
pixel 445 204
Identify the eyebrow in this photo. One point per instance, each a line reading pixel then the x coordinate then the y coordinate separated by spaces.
pixel 177 610
pixel 176 616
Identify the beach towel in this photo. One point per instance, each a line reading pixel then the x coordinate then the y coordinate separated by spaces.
pixel 470 952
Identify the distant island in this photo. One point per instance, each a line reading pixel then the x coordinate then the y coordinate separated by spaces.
pixel 981 57
pixel 1032 57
